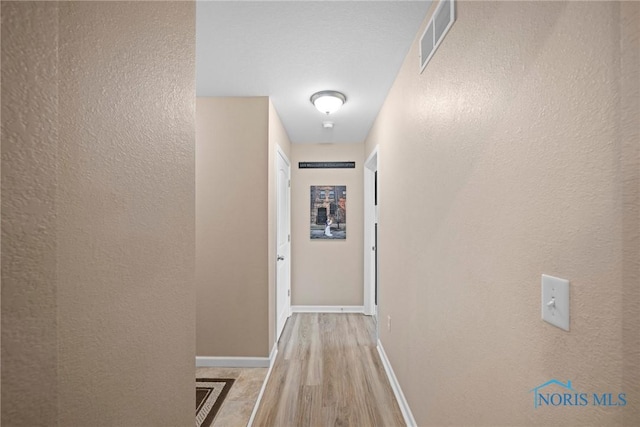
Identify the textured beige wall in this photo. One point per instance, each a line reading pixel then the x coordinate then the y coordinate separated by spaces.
pixel 278 137
pixel 327 272
pixel 29 209
pixel 514 154
pixel 628 158
pixel 232 226
pixel 98 213
pixel 0 236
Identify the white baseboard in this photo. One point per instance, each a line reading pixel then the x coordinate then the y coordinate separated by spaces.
pixel 327 309
pixel 272 358
pixel 402 402
pixel 233 362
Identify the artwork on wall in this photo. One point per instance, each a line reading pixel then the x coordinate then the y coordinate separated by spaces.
pixel 328 212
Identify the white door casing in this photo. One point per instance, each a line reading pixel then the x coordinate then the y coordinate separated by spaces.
pixel 370 219
pixel 283 241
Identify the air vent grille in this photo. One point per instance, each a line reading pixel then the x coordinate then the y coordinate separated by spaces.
pixel 438 26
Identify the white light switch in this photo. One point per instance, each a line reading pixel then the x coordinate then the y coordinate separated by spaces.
pixel 555 301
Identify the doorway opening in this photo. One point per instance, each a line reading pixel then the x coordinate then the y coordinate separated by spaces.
pixel 321 218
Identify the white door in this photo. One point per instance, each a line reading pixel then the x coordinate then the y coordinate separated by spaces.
pixel 283 224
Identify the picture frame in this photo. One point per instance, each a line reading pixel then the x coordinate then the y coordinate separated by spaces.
pixel 328 212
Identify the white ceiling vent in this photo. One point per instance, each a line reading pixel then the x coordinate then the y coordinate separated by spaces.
pixel 438 27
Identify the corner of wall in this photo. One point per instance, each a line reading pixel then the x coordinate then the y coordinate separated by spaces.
pixel 233 244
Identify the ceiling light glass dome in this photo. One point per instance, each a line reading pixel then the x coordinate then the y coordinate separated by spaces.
pixel 328 101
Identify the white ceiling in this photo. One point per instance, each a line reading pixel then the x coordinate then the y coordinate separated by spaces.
pixel 288 50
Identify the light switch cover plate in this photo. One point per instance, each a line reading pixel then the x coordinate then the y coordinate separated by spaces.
pixel 555 301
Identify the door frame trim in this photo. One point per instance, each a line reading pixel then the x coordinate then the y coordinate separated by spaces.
pixel 370 214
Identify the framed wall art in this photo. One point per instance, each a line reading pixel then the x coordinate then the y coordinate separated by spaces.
pixel 328 219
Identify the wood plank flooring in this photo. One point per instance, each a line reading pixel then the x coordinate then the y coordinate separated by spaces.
pixel 328 373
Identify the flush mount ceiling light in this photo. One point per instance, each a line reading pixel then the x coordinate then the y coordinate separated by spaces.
pixel 328 101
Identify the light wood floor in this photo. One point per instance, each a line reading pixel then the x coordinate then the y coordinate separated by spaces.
pixel 328 373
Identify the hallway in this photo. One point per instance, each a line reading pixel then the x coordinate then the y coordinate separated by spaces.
pixel 140 219
pixel 328 372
